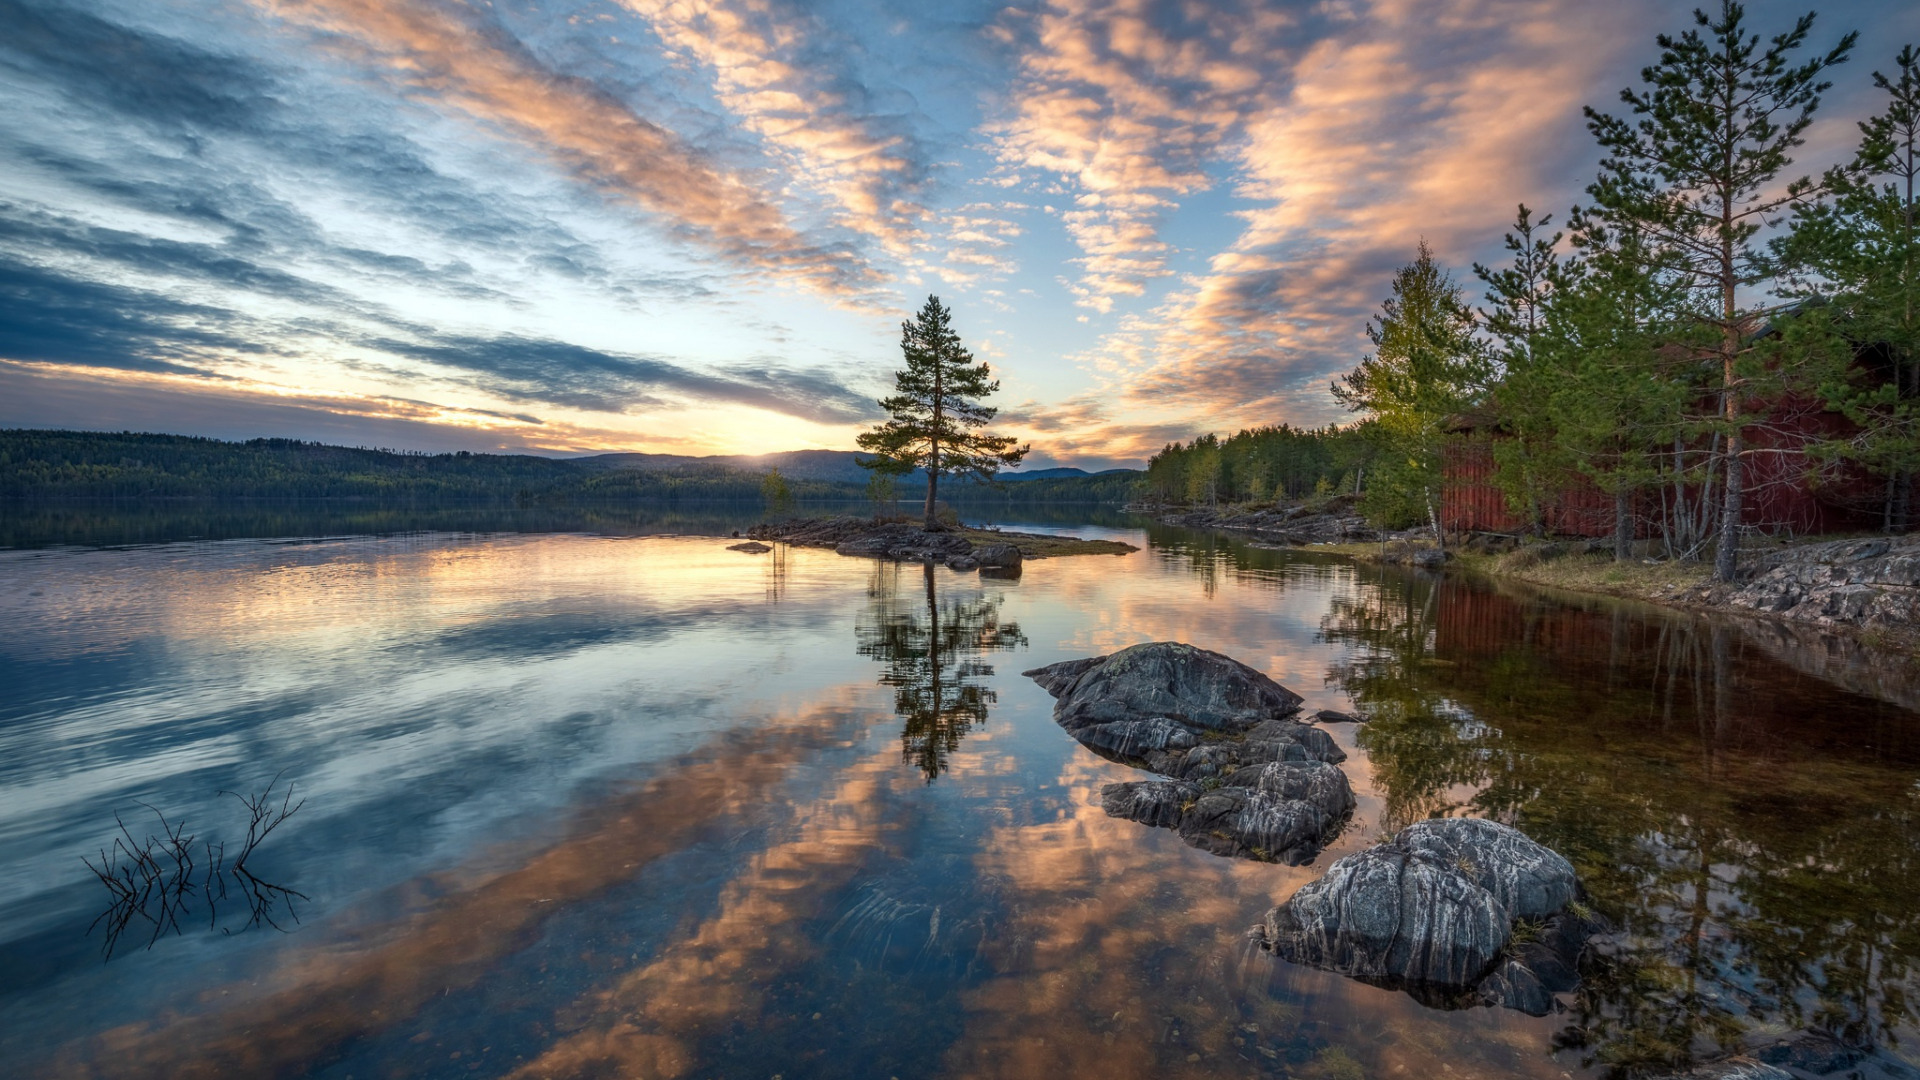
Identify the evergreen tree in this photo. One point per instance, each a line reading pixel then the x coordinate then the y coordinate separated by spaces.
pixel 1862 251
pixel 1520 298
pixel 935 417
pixel 1427 366
pixel 1697 172
pixel 1613 398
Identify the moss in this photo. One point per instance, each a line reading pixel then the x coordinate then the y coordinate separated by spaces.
pixel 1337 1064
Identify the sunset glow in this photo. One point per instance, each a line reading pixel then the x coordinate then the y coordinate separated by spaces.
pixel 693 226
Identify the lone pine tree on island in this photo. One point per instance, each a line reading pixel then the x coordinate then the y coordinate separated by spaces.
pixel 935 414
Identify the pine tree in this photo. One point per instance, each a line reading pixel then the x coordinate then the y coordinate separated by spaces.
pixel 1427 366
pixel 935 417
pixel 1613 398
pixel 1520 299
pixel 1862 252
pixel 1697 172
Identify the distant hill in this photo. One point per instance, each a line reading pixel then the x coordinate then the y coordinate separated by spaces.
pixel 835 466
pixel 98 464
pixel 838 466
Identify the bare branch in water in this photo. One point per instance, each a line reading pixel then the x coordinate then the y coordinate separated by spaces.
pixel 154 879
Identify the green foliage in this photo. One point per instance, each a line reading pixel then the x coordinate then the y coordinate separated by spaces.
pixel 1861 252
pixel 883 491
pixel 1427 367
pixel 775 493
pixel 935 419
pixel 1276 463
pixel 1696 176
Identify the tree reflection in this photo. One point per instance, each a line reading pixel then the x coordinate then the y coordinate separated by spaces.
pixel 931 648
pixel 1751 830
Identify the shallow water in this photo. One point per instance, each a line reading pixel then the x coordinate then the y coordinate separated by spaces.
pixel 641 806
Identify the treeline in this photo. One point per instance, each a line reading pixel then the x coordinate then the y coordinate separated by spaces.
pixel 1659 349
pixel 127 465
pixel 1116 487
pixel 132 465
pixel 1277 463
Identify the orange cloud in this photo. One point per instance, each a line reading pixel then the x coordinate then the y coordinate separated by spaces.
pixel 443 55
pixel 1129 99
pixel 1386 135
pixel 770 68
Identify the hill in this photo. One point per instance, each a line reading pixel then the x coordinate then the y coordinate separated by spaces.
pixel 90 464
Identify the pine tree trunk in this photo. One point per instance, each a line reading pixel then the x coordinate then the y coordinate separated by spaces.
pixel 933 483
pixel 1726 560
pixel 1622 526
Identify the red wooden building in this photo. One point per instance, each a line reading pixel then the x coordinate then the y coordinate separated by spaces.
pixel 1787 491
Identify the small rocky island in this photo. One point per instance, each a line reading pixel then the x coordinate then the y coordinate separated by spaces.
pixel 958 547
pixel 1456 912
pixel 1245 778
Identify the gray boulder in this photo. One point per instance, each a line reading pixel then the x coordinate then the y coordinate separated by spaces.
pixel 1244 777
pixel 998 556
pixel 1432 912
pixel 1280 812
pixel 1193 686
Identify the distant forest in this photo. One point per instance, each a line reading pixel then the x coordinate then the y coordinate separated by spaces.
pixel 1269 463
pixel 126 465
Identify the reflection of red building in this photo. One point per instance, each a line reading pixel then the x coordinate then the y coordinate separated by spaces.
pixel 1786 490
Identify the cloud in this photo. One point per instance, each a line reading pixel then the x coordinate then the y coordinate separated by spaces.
pixel 59 317
pixel 1131 100
pixel 784 72
pixel 1415 120
pixel 457 59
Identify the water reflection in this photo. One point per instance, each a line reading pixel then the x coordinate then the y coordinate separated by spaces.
pixel 1751 830
pixel 931 648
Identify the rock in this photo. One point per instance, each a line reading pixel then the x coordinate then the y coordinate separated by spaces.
pixel 999 556
pixel 1282 812
pixel 1246 779
pixel 963 562
pixel 1812 1051
pixel 1329 716
pixel 1166 679
pixel 1860 584
pixel 751 547
pixel 1432 912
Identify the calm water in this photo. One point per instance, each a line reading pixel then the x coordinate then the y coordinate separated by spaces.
pixel 592 805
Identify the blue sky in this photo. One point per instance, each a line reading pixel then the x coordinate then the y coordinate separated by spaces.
pixel 694 227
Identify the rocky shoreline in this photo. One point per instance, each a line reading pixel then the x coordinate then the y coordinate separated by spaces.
pixel 1862 587
pixel 958 547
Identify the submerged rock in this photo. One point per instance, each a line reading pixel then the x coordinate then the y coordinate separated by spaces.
pixel 751 547
pixel 1433 912
pixel 1731 1069
pixel 1246 779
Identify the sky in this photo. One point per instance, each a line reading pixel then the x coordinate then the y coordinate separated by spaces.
pixel 694 226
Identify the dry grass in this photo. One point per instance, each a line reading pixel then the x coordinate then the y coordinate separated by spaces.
pixel 1594 573
pixel 1038 546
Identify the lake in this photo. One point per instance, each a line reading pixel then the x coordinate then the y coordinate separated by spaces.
pixel 617 801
